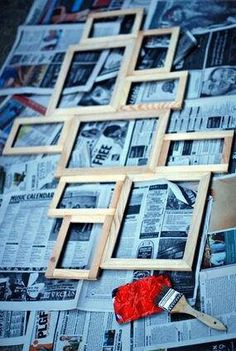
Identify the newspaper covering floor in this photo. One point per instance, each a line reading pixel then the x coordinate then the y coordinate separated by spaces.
pixel 41 314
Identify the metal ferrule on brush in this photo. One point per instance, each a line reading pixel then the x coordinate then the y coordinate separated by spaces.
pixel 168 298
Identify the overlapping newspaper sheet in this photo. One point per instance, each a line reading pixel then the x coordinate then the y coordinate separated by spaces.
pixel 36 57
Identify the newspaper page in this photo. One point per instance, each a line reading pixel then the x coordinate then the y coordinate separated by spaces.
pixel 91 331
pixel 76 330
pixel 141 240
pixel 113 143
pixel 38 135
pixel 34 62
pixel 163 330
pixel 15 106
pixel 41 330
pixel 195 16
pixel 101 79
pixel 59 11
pixel 32 231
pixel 23 283
pixel 228 345
pixel 221 305
pixel 138 3
pixel 211 64
pixel 220 249
pixel 12 327
pixel 154 91
pixel 195 152
pixel 26 228
pixel 32 291
pixel 159 207
pixel 208 114
pixel 83 71
pixel 168 331
pixel 31 175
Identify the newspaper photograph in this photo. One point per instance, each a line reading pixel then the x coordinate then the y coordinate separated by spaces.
pixel 34 62
pixel 153 52
pixel 111 65
pixel 113 143
pixel 186 44
pixel 31 175
pixel 100 94
pixel 32 291
pixel 194 15
pixel 18 105
pixel 15 106
pixel 211 65
pixel 96 195
pixel 195 152
pixel 220 249
pixel 83 71
pixel 37 134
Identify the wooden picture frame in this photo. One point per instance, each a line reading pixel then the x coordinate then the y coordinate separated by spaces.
pixel 54 211
pixel 184 264
pixel 64 170
pixel 53 272
pixel 175 104
pixel 227 137
pixel 174 36
pixel 115 98
pixel 10 149
pixel 93 16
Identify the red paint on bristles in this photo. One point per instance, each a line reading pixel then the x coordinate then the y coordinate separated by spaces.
pixel 136 300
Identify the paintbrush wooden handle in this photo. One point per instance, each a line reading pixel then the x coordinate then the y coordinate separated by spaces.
pixel 182 306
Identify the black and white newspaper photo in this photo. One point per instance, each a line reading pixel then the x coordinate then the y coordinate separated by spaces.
pixel 36 57
pixel 113 143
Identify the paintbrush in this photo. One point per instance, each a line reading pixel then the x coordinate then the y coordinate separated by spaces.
pixel 151 295
pixel 174 302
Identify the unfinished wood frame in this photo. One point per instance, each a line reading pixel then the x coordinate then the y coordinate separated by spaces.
pixel 115 98
pixel 93 16
pixel 184 264
pixel 227 136
pixel 64 170
pixel 66 273
pixel 223 191
pixel 174 35
pixel 54 211
pixel 175 104
pixel 10 149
